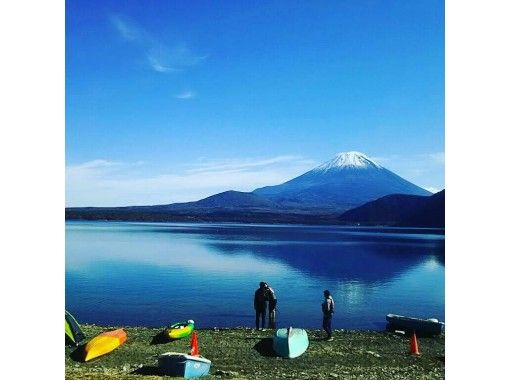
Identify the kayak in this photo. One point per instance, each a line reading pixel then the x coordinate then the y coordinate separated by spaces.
pixel 422 327
pixel 180 329
pixel 290 343
pixel 74 333
pixel 104 343
pixel 182 365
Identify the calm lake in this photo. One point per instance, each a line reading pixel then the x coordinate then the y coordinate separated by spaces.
pixel 152 274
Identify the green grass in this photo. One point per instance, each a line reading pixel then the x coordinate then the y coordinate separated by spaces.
pixel 242 353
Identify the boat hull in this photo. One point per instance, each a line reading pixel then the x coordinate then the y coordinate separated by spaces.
pixel 421 327
pixel 290 343
pixel 183 365
pixel 179 330
pixel 104 343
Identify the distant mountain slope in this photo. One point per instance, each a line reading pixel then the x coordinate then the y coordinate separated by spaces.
pixel 400 210
pixel 348 180
pixel 228 199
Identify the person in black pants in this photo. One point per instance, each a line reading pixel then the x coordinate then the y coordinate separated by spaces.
pixel 328 308
pixel 259 303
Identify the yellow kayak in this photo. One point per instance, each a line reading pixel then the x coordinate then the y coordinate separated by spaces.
pixel 180 330
pixel 104 343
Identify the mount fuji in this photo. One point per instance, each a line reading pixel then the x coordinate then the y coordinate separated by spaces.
pixel 321 195
pixel 348 180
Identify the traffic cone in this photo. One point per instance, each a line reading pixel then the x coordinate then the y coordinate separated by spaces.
pixel 414 345
pixel 194 344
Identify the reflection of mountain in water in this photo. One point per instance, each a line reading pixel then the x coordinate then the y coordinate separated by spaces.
pixel 366 262
pixel 348 254
pixel 366 254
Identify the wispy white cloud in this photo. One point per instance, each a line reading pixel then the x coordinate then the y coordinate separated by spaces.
pixel 178 55
pixel 99 168
pixel 127 29
pixel 105 183
pixel 103 164
pixel 435 157
pixel 423 169
pixel 94 164
pixel 185 95
pixel 438 157
pixel 161 56
pixel 158 65
pixel 240 165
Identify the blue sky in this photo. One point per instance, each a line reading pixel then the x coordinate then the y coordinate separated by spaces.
pixel 172 101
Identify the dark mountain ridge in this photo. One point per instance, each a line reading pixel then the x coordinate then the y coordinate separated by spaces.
pixel 400 210
pixel 229 200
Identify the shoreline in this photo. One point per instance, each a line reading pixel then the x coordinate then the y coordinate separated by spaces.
pixel 244 353
pixel 389 228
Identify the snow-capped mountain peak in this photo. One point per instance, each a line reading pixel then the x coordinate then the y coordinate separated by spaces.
pixel 351 160
pixel 348 180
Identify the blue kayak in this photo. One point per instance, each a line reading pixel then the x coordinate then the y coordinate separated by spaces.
pixel 290 342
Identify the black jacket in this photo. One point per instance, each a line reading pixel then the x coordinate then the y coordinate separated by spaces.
pixel 259 301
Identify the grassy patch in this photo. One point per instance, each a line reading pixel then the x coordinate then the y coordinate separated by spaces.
pixel 242 353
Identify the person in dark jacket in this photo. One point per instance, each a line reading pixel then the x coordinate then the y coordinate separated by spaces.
pixel 271 297
pixel 328 308
pixel 259 303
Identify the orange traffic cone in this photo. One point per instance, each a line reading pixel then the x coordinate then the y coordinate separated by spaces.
pixel 194 344
pixel 414 345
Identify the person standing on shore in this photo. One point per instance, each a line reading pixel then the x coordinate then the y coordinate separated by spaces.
pixel 328 308
pixel 259 303
pixel 271 297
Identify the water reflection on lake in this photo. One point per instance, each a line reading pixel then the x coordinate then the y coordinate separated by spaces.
pixel 155 273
